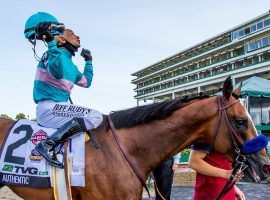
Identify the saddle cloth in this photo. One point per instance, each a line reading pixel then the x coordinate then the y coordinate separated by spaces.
pixel 22 165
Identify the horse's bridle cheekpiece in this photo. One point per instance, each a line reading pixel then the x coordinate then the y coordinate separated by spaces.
pixel 240 161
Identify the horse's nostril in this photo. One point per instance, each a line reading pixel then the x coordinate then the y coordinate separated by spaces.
pixel 266 169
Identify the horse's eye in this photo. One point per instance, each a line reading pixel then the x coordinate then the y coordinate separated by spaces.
pixel 241 122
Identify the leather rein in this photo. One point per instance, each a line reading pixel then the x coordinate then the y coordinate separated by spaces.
pixel 126 155
pixel 236 140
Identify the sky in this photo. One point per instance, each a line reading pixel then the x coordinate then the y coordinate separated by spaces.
pixel 124 36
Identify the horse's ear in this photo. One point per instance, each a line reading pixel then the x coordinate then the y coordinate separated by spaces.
pixel 227 88
pixel 237 91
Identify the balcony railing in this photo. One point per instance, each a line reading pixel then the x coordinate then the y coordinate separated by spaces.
pixel 185 72
pixel 186 57
pixel 266 59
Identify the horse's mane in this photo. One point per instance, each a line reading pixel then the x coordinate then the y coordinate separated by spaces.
pixel 144 114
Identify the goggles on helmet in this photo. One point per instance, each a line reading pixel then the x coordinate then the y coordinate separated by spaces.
pixel 56 28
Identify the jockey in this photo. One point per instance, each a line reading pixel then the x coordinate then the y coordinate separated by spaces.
pixel 55 77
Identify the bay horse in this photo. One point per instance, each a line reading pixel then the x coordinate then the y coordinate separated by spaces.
pixel 150 135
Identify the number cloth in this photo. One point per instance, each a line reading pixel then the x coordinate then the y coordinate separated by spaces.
pixel 22 165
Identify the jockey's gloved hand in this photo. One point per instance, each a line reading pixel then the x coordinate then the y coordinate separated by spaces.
pixel 43 31
pixel 86 54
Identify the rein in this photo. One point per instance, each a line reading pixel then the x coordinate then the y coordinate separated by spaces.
pixel 126 155
pixel 236 140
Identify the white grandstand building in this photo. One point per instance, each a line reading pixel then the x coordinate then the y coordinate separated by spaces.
pixel 240 52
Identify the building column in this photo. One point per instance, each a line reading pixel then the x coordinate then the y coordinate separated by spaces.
pixel 138 102
pixel 231 53
pixel 233 81
pixel 173 95
pixel 260 58
pixel 233 65
pixel 153 100
pixel 199 89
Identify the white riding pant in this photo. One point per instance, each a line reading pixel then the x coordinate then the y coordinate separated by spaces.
pixel 56 114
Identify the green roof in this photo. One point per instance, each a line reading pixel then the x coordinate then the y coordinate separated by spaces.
pixel 255 87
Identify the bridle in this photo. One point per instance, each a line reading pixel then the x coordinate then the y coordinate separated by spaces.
pixel 126 155
pixel 237 141
pixel 223 114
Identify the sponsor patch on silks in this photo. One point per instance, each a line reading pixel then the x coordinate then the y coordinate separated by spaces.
pixel 35 156
pixel 39 137
pixel 21 164
pixel 7 168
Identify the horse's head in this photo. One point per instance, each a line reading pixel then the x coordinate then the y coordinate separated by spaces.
pixel 235 127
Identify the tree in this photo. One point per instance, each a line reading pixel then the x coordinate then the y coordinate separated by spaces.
pixel 20 116
pixel 5 116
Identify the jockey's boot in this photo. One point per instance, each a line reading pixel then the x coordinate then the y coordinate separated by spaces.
pixel 47 147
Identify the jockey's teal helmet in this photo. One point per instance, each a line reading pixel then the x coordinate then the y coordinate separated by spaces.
pixel 34 20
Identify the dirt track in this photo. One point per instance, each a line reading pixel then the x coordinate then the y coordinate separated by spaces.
pixel 6 193
pixel 252 192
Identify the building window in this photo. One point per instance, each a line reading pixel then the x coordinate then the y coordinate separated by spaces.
pixel 266 22
pixel 265 41
pixel 252 46
pixel 250 29
pixel 241 32
pixel 258 44
pixel 234 35
pixel 247 30
pixel 259 25
pixel 253 28
pixel 246 48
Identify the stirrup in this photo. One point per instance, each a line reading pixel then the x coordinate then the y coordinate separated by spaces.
pixel 60 165
pixel 53 161
pixel 50 159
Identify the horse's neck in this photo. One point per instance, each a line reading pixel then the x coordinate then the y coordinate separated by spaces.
pixel 5 125
pixel 150 144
